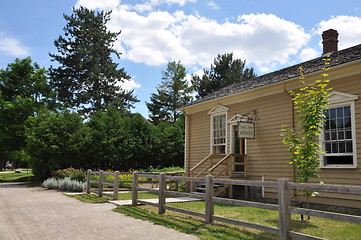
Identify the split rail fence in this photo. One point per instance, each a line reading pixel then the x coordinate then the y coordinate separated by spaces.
pixel 101 183
pixel 283 186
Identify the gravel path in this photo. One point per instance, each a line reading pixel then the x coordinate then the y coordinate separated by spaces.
pixel 34 213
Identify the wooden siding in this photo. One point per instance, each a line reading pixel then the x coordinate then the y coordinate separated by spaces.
pixel 199 137
pixel 267 155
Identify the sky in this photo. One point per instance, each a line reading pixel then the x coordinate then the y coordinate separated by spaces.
pixel 268 34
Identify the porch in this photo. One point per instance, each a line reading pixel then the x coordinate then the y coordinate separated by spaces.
pixel 229 166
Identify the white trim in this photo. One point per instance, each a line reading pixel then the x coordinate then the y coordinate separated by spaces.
pixel 232 138
pixel 186 120
pixel 218 110
pixel 237 117
pixel 339 99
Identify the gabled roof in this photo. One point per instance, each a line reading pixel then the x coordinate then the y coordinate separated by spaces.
pixel 337 58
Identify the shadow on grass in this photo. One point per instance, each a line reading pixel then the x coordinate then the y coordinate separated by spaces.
pixel 91 198
pixel 193 226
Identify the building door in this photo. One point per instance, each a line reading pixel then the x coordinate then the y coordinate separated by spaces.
pixel 239 152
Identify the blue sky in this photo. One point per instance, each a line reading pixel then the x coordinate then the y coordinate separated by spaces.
pixel 269 35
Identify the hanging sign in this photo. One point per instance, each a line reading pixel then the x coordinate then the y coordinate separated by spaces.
pixel 246 130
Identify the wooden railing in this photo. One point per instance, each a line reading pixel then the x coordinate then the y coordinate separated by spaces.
pixel 100 183
pixel 284 231
pixel 206 160
pixel 283 186
pixel 228 162
pixel 227 168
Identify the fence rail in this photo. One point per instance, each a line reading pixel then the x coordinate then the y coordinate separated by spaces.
pixel 115 183
pixel 283 186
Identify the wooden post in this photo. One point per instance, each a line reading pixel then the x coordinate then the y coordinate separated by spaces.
pixel 100 184
pixel 116 185
pixel 135 189
pixel 162 186
pixel 284 202
pixel 176 186
pixel 209 199
pixel 88 177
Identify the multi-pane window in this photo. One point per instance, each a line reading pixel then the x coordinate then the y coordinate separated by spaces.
pixel 338 136
pixel 219 133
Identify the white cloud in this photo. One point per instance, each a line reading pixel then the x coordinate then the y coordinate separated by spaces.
pixel 308 54
pixel 101 4
pixel 348 27
pixel 159 37
pixel 213 5
pixel 12 46
pixel 111 4
pixel 170 2
pixel 129 85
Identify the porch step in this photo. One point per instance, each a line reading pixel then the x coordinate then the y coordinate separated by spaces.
pixel 201 188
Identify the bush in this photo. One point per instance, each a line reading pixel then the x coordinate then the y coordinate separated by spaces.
pixel 65 184
pixel 73 174
pixel 51 183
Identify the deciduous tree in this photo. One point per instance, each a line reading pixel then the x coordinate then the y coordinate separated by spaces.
pixel 24 90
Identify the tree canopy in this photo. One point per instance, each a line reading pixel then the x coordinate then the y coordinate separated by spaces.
pixel 224 71
pixel 172 93
pixel 87 77
pixel 24 90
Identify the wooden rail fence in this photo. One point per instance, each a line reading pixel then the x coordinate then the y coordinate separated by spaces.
pixel 283 186
pixel 114 184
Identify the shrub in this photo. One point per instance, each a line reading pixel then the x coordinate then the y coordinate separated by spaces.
pixel 51 183
pixel 73 174
pixel 65 184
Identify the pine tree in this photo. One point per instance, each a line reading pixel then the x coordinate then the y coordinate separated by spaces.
pixel 87 77
pixel 172 93
pixel 224 71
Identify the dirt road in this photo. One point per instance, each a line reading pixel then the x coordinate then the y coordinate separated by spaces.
pixel 34 213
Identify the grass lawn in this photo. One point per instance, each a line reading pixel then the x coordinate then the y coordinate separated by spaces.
pixel 91 198
pixel 11 176
pixel 319 227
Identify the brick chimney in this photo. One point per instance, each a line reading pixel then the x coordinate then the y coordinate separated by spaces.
pixel 330 41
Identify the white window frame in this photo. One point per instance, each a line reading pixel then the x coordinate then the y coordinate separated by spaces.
pixel 339 99
pixel 219 110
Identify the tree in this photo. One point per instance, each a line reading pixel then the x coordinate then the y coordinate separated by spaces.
pixel 224 71
pixel 309 104
pixel 56 140
pixel 87 77
pixel 170 148
pixel 172 93
pixel 24 90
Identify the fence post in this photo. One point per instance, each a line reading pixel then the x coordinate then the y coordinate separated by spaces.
pixel 116 185
pixel 135 189
pixel 284 202
pixel 88 177
pixel 176 186
pixel 162 186
pixel 100 184
pixel 209 206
